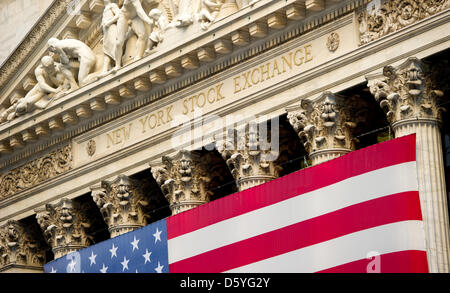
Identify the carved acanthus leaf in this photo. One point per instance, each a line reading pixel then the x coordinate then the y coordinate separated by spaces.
pixel 406 92
pixel 184 179
pixel 124 203
pixel 383 17
pixel 249 153
pixel 66 225
pixel 21 244
pixel 328 122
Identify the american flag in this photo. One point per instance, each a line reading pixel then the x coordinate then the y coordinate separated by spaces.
pixel 142 251
pixel 358 213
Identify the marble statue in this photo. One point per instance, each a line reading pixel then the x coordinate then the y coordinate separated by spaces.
pixel 74 49
pixel 184 11
pixel 209 11
pixel 161 24
pixel 132 16
pixel 54 80
pixel 185 16
pixel 109 24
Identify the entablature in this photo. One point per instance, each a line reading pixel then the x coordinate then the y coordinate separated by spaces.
pixel 102 107
pixel 174 65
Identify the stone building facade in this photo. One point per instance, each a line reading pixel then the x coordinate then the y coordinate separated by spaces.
pixel 115 114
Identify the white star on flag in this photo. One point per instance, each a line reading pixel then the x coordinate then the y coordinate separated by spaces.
pixel 72 265
pixel 144 250
pixel 159 268
pixel 157 235
pixel 92 258
pixel 147 256
pixel 125 263
pixel 135 243
pixel 113 251
pixel 53 271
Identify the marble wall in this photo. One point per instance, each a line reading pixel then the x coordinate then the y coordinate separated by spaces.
pixel 17 17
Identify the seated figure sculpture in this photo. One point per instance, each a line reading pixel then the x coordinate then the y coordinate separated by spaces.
pixel 161 24
pixel 74 49
pixel 54 80
pixel 209 11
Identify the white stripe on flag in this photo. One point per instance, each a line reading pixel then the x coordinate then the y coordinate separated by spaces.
pixel 376 184
pixel 395 237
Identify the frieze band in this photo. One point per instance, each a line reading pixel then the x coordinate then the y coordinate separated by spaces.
pixel 36 172
pixel 381 18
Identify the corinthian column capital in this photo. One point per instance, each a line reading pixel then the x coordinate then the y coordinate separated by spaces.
pixel 21 246
pixel 66 226
pixel 407 92
pixel 184 179
pixel 326 125
pixel 123 203
pixel 250 155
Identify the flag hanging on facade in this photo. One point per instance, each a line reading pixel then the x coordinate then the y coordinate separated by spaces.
pixel 358 213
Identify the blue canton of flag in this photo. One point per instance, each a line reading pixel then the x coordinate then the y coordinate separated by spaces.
pixel 141 251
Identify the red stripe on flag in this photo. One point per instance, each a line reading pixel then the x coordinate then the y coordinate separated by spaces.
pixel 409 261
pixel 400 150
pixel 381 211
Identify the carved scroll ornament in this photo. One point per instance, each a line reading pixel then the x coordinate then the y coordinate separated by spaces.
pixel 35 172
pixel 381 18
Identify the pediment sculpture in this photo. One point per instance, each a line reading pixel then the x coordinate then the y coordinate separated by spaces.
pixel 54 80
pixel 130 30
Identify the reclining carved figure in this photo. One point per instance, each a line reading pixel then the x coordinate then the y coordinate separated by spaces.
pixel 54 80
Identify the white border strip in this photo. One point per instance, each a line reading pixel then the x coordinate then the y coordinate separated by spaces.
pixel 400 236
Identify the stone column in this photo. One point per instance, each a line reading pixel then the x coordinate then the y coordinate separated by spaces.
pixel 66 226
pixel 123 204
pixel 22 249
pixel 326 125
pixel 184 180
pixel 249 156
pixel 408 96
